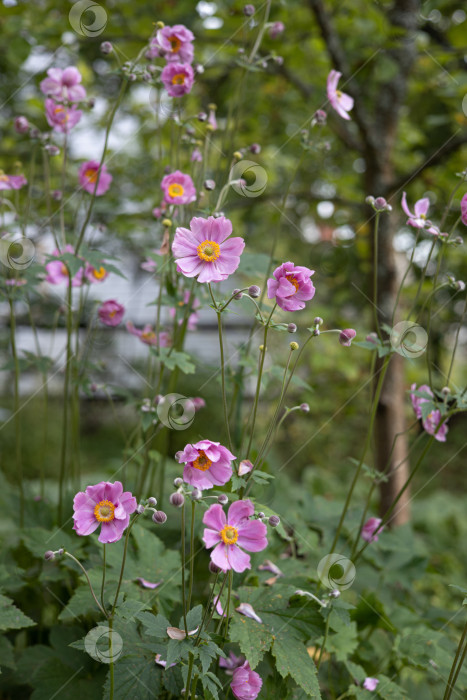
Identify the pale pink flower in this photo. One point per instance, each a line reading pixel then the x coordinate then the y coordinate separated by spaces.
pixel 95 275
pixel 369 528
pixel 417 218
pixel 88 175
pixel 229 534
pixel 198 403
pixel 207 464
pixel 60 117
pixel 57 272
pixel 12 182
pixel 246 684
pixel 175 43
pixel 178 78
pixel 341 102
pixel 346 336
pixel 148 336
pixel 64 84
pixel 276 29
pixel 196 156
pixel 433 419
pixel 178 188
pixel 13 282
pixel 291 286
pixel 111 312
pixel 370 683
pixel 231 662
pixel 206 251
pixel 104 504
pixel 417 401
pixel 248 610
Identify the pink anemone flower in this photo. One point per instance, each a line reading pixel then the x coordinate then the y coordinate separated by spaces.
pixel 207 464
pixel 57 271
pixel 230 535
pixel 104 504
pixel 95 274
pixel 341 102
pixel 61 118
pixel 111 312
pixel 204 251
pixel 434 418
pixel 246 684
pixel 64 84
pixel 178 188
pixel 291 286
pixel 417 218
pixel 368 530
pixel 370 683
pixel 231 662
pixel 175 43
pixel 178 78
pixel 88 174
pixel 12 182
pixel 346 336
pixel 148 336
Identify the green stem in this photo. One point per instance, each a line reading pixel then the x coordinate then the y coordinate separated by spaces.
pixel 453 673
pixel 63 455
pixel 375 277
pixel 192 552
pixel 227 615
pixel 195 683
pixel 122 569
pixel 451 365
pixel 221 349
pixel 111 660
pixel 206 610
pixel 16 409
pixel 183 570
pixel 321 651
pixel 214 607
pixel 88 580
pixel 103 575
pixel 188 678
pixel 408 268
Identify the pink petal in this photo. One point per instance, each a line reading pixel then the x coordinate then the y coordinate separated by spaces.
pixel 238 560
pixel 214 517
pixel 421 206
pixel 404 205
pixel 247 610
pixel 239 511
pixel 252 536
pixel 219 557
pixel 211 538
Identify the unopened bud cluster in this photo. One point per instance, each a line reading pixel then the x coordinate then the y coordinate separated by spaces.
pixel 379 204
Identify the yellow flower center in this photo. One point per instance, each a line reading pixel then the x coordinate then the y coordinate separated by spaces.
pixel 91 175
pixel 148 335
pixel 175 43
pixel 292 280
pixel 208 250
pixel 176 190
pixel 202 462
pixel 178 79
pixel 112 314
pixel 338 94
pixel 104 511
pixel 229 534
pixel 3 177
pixel 61 110
pixel 64 270
pixel 423 216
pixel 99 274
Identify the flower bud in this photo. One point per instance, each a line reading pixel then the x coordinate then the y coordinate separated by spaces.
pixel 316 331
pixel 274 520
pixel 21 125
pixel 52 150
pixel 132 77
pixel 304 407
pixel 261 515
pixel 249 10
pixel 198 403
pixel 159 517
pixel 320 117
pixel 213 568
pixel 254 291
pixel 34 133
pixel 49 555
pixel 237 155
pixel 152 501
pixel 276 30
pixel 335 593
pixel 460 285
pixel 255 148
pixel 160 25
pixel 237 294
pixel 196 495
pixel 209 185
pixel 177 500
pixel 202 116
pixel 106 47
pixel 346 336
pixel 292 328
pixel 372 338
pixel 57 195
pixel 140 509
pixel 60 551
pixel 223 499
pixel 370 200
pixel 318 321
pixel 294 345
pixel 178 482
pixel 166 222
pixel 446 390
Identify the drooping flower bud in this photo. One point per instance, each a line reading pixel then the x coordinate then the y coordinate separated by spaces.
pixel 276 30
pixel 237 294
pixel 319 117
pixel 255 148
pixel 249 10
pixel 213 568
pixel 152 501
pixel 254 291
pixel 177 500
pixel 49 555
pixel 178 482
pixel 140 509
pixel 304 407
pixel 274 520
pixel 292 328
pixel 346 336
pixel 106 48
pixel 159 517
pixel 223 499
pixel 209 185
pixel 196 495
pixel 318 321
pixel 21 125
pixel 335 593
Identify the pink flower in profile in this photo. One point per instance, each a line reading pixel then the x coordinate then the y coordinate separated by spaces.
pixel 148 336
pixel 229 535
pixel 231 662
pixel 341 102
pixel 370 683
pixel 276 29
pixel 212 121
pixel 88 175
pixel 175 43
pixel 369 528
pixel 111 312
pixel 291 286
pixel 464 209
pixel 104 504
pixel 64 84
pixel 434 418
pixel 12 182
pixel 207 464
pixel 204 251
pixel 198 403
pixel 417 401
pixel 346 336
pixel 61 118
pixel 417 218
pixel 196 156
pixel 178 188
pixel 193 317
pixel 95 274
pixel 178 78
pixel 246 683
pixel 57 271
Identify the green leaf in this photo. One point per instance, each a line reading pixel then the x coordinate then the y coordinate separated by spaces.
pixel 154 625
pixel 262 477
pixel 292 659
pixel 211 684
pixel 175 359
pixel 7 658
pixel 237 482
pixel 193 618
pixel 11 617
pixel 130 608
pixel 344 642
pixel 462 590
pixel 135 677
